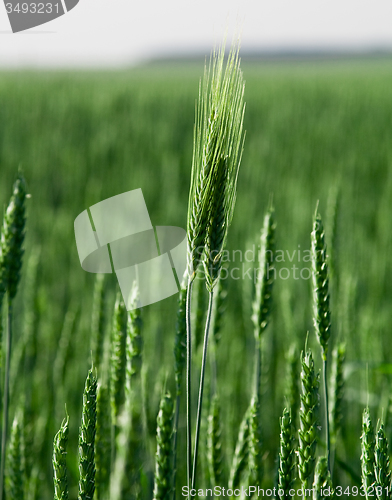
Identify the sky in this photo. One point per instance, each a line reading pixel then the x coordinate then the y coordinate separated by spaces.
pixel 99 33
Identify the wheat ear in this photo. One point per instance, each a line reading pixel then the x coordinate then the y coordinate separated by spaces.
pixel 217 155
pixel 308 420
pixel 322 486
pixel 382 470
pixel 163 458
pixel 118 359
pixel 87 439
pixel 214 443
pixel 264 282
pixel 15 464
pixel 60 463
pixel 321 310
pixel 241 453
pixel 367 456
pixel 11 253
pixel 98 321
pixel 286 455
pixel 102 442
pixel 255 444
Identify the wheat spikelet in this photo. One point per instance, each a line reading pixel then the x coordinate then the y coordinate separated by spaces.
pixel 118 359
pixel 367 457
pixel 218 139
pixel 292 395
pixel 98 321
pixel 337 387
pixel 265 275
pixel 286 455
pixel 322 315
pixel 308 420
pixel 214 443
pixel 255 444
pixel 87 439
pixel 12 237
pixel 163 469
pixel 241 453
pixel 322 486
pixel 15 477
pixel 60 463
pixel 134 342
pixel 382 470
pixel 102 442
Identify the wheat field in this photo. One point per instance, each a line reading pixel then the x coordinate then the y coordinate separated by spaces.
pixel 317 132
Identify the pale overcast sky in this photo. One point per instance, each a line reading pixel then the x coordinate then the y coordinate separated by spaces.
pixel 118 32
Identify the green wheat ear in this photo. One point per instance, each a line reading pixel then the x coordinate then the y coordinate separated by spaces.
pixel 255 443
pixel 381 469
pixel 214 443
pixel 15 464
pixel 367 457
pixel 265 275
pixel 12 237
pixel 102 442
pixel 286 455
pixel 217 149
pixel 118 359
pixel 98 321
pixel 308 420
pixel 87 439
pixel 163 462
pixel 322 486
pixel 322 315
pixel 337 380
pixel 241 453
pixel 59 462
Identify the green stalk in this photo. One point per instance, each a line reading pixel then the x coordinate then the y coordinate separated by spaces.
pixel 201 387
pixel 179 362
pixel 327 439
pixel 175 435
pixel 6 397
pixel 188 384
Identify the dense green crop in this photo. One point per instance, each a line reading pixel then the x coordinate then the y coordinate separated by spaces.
pixel 313 129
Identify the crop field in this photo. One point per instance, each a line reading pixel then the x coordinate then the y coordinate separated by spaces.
pixel 318 133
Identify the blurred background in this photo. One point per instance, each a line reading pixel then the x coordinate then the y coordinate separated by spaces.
pixel 101 101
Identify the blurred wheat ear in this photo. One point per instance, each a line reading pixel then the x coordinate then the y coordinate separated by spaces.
pixel 11 253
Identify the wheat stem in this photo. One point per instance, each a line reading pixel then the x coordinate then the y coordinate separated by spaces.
pixel 327 439
pixel 201 387
pixel 6 397
pixel 188 383
pixel 175 436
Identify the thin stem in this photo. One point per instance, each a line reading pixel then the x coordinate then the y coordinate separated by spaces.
pixel 214 368
pixel 327 440
pixel 188 383
pixel 201 387
pixel 175 432
pixel 257 366
pixel 6 396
